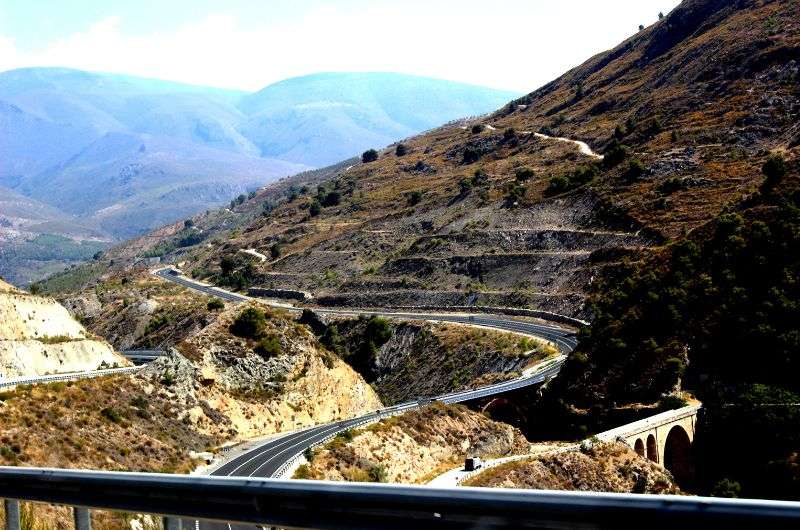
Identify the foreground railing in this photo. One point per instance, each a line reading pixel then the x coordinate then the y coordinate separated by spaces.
pixel 328 505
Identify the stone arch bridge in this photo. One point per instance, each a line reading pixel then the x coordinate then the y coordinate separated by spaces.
pixel 665 438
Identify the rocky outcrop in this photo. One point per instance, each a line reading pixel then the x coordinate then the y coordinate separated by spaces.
pixel 221 385
pixel 412 447
pixel 38 336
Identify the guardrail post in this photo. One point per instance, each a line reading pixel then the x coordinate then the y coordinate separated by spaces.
pixel 172 523
pixel 82 519
pixel 12 514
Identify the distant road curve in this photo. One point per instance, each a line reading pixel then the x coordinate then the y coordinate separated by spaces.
pixel 565 339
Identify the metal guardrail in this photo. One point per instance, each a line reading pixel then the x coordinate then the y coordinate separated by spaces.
pixel 329 505
pixel 72 376
pixel 402 408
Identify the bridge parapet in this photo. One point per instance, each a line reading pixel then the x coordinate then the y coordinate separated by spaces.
pixel 665 439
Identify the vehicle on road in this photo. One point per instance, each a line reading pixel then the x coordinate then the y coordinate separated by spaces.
pixel 473 463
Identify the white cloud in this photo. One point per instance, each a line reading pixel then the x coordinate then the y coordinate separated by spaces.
pixel 510 45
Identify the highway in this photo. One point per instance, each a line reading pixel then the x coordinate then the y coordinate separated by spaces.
pixel 275 456
pixel 270 458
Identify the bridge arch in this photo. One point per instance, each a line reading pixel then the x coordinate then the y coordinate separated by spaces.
pixel 505 410
pixel 652 448
pixel 678 455
pixel 638 446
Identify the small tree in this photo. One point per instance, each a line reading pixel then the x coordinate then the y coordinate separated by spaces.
pixel 477 128
pixel 509 134
pixel 660 15
pixel 275 250
pixel 314 209
pixel 188 223
pixel 641 27
pixel 414 198
pixel 635 170
pixel 400 150
pixel 515 194
pixel 268 347
pixel 332 198
pixel 249 324
pixel 370 155
pixel 524 174
pixel 464 186
pixel 215 304
pixel 774 169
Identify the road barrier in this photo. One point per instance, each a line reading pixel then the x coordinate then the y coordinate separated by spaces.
pixel 330 505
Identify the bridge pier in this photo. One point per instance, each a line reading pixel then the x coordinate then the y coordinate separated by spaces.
pixel 665 439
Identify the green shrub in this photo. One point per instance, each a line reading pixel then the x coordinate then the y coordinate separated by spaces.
pixel 635 170
pixel 727 488
pixel 268 347
pixel 111 415
pixel 249 324
pixel 215 304
pixel 414 198
pixel 332 198
pixel 314 208
pixel 477 128
pixel 774 169
pixel 400 150
pixel 557 184
pixel 464 186
pixel 377 473
pixel 524 174
pixel 275 250
pixel 615 153
pixel 370 155
pixel 515 194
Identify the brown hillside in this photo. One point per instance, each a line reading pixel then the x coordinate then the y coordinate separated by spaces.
pixel 486 212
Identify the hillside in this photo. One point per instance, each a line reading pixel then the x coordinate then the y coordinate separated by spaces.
pixel 413 447
pixel 162 151
pixel 494 212
pixel 604 467
pixel 39 337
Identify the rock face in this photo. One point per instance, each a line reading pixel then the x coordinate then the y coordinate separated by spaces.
pixel 38 336
pixel 242 394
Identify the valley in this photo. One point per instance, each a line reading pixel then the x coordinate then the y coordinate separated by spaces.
pixel 354 278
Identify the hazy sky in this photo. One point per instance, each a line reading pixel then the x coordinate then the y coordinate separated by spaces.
pixel 247 44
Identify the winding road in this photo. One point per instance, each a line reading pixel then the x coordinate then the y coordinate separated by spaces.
pixel 272 457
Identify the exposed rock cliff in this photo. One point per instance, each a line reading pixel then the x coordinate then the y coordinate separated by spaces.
pixel 38 336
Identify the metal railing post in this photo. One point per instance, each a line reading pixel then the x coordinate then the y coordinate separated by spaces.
pixel 12 514
pixel 172 523
pixel 82 519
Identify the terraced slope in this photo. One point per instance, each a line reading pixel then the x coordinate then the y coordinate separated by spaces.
pixel 500 211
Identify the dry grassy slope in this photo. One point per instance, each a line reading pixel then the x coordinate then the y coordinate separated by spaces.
pixel 221 391
pixel 701 97
pixel 605 467
pixel 414 447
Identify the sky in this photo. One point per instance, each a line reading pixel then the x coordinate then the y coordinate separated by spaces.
pixel 247 44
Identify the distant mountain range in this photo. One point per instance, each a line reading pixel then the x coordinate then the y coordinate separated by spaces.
pixel 120 155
